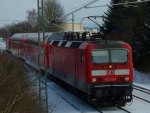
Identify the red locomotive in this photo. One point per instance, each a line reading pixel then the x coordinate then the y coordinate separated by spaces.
pixel 101 70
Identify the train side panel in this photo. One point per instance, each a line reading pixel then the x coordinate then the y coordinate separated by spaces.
pixel 69 64
pixel 64 64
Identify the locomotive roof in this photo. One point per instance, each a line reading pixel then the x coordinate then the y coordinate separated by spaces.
pixel 95 42
pixel 84 44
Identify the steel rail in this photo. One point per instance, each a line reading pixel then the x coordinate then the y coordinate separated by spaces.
pixel 122 109
pixel 97 108
pixel 141 98
pixel 142 89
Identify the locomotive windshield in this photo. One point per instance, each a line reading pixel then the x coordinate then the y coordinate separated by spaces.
pixel 110 56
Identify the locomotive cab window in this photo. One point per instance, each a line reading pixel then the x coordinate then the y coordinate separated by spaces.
pixel 119 56
pixel 100 56
pixel 109 56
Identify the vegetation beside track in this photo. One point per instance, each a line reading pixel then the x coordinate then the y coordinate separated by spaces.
pixel 16 92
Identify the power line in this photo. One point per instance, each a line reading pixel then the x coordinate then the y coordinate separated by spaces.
pixel 118 4
pixel 74 8
pixel 10 20
pixel 82 7
pixel 74 19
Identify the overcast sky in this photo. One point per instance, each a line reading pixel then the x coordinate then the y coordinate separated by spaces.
pixel 11 10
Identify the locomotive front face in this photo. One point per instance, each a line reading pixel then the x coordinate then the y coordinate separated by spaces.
pixel 110 71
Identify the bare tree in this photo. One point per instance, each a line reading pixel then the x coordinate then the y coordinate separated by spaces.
pixel 53 12
pixel 32 17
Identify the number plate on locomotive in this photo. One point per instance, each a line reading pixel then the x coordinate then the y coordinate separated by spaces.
pixel 110 72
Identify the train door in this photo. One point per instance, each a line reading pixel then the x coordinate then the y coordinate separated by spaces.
pixel 76 79
pixel 80 70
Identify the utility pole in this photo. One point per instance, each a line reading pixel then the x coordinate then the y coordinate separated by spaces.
pixel 43 98
pixel 72 21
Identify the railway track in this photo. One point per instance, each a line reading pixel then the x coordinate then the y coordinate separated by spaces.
pixel 143 90
pixel 105 110
pixel 141 98
pixel 70 103
pixel 96 107
pixel 123 109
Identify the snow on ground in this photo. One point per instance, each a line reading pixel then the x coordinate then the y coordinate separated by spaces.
pixel 66 102
pixel 2 44
pixel 138 106
pixel 142 79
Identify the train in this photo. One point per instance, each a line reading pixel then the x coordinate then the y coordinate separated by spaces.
pixel 101 70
